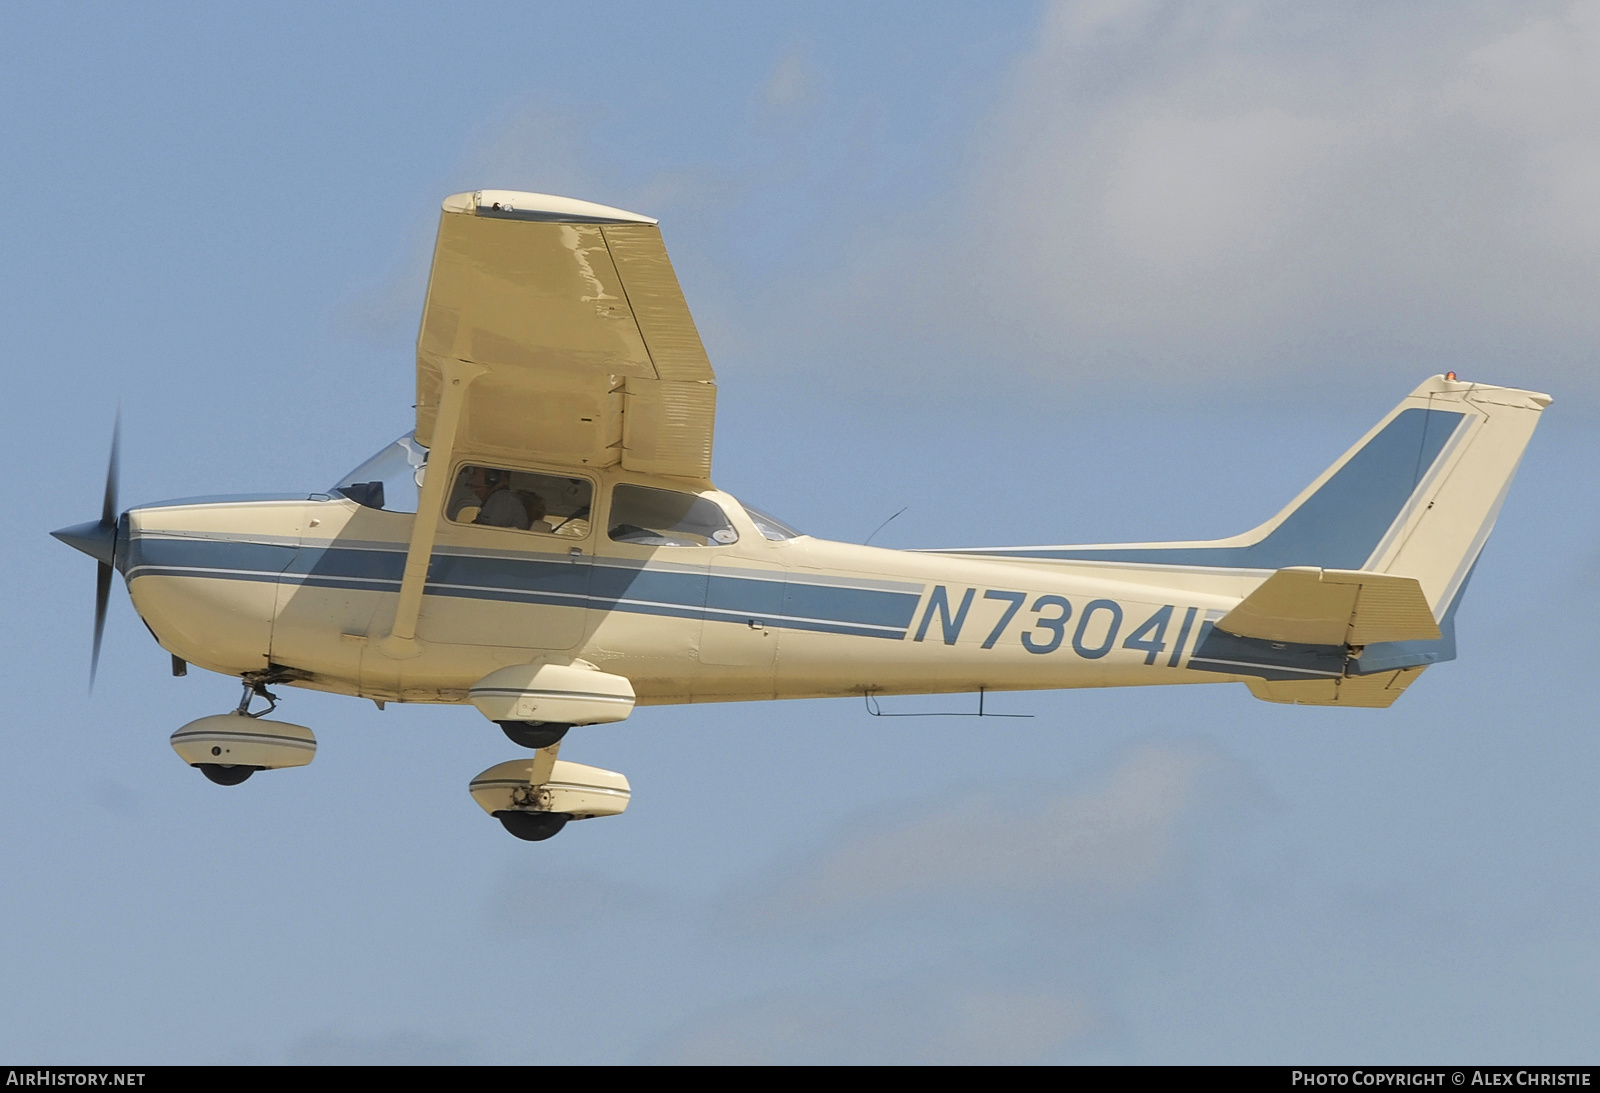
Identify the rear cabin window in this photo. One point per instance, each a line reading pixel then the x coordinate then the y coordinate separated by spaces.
pixel 544 504
pixel 652 517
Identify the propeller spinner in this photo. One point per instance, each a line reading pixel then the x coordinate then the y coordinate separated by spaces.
pixel 98 539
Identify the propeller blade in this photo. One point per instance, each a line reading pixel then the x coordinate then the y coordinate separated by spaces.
pixel 108 507
pixel 108 527
pixel 102 599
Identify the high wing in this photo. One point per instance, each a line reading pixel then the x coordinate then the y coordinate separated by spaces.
pixel 581 347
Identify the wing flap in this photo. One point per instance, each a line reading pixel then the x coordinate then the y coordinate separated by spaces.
pixel 667 427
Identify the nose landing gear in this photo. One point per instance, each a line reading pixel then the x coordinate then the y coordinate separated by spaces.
pixel 228 748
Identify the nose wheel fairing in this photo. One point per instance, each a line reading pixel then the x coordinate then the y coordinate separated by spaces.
pixel 239 740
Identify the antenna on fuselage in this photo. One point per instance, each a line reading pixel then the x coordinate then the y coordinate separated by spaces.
pixel 877 711
pixel 881 526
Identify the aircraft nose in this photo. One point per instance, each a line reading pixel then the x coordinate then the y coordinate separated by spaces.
pixel 96 539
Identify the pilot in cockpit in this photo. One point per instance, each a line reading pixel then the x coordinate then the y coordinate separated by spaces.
pixel 501 506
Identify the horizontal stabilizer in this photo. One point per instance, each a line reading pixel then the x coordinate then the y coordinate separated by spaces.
pixel 1311 606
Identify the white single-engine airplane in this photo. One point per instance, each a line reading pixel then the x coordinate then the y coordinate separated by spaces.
pixel 547 545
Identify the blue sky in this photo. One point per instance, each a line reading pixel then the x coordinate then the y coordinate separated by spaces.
pixel 1039 273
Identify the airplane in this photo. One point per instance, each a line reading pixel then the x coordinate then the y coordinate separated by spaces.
pixel 546 545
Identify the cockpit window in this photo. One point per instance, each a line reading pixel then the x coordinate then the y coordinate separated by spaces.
pixel 770 526
pixel 390 480
pixel 498 497
pixel 652 517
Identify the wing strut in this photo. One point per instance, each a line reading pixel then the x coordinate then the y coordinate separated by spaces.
pixel 401 644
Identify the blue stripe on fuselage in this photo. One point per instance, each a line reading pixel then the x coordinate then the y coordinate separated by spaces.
pixel 551 580
pixel 249 560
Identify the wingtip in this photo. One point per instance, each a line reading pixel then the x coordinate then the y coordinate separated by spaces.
pixel 522 205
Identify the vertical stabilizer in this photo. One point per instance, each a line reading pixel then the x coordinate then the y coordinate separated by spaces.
pixel 1416 496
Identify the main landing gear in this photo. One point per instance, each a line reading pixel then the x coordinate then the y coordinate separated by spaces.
pixel 533 734
pixel 535 704
pixel 533 827
pixel 536 796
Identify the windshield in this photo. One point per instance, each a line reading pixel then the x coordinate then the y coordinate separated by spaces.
pixel 390 480
pixel 770 526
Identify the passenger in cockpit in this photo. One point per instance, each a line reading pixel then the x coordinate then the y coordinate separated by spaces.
pixel 534 504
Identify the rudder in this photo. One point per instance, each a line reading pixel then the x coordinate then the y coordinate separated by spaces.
pixel 1440 531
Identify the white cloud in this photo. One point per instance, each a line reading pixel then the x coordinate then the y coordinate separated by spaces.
pixel 1213 190
pixel 793 82
pixel 982 926
pixel 1115 840
pixel 929 1024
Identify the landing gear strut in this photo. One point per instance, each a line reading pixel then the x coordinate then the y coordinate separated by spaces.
pixel 252 689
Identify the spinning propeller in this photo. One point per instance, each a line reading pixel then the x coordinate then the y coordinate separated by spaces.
pixel 98 539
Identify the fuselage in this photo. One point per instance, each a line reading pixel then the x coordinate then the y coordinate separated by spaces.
pixel 307 587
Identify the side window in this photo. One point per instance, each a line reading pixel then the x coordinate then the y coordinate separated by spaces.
pixel 654 517
pixel 541 503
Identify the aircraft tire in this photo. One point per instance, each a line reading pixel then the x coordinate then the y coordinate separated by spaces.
pixel 533 827
pixel 225 775
pixel 533 734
